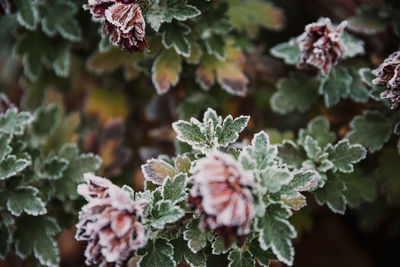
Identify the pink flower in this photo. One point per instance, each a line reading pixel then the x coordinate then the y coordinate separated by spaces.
pixel 222 194
pixel 388 74
pixel 321 45
pixel 122 21
pixel 109 223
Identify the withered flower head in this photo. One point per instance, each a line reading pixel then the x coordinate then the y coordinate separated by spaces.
pixel 122 20
pixel 321 45
pixel 109 223
pixel 222 195
pixel 388 74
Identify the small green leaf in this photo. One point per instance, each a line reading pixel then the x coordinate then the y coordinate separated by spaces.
pixel 159 253
pixel 353 46
pixel 276 232
pixel 371 130
pixel 291 154
pixel 174 188
pixel 46 120
pixel 196 238
pixel 182 252
pixel 240 258
pixel 336 85
pixel 290 96
pixel 274 178
pixel 358 188
pixel 5 148
pixel 261 151
pixel 27 14
pixel 175 36
pixel 25 199
pixel 263 257
pixel 343 155
pixel 36 234
pixel 358 90
pixel 158 13
pixel 388 173
pixel 318 128
pixel 190 133
pixel 165 212
pixel 218 246
pixel 289 52
pixel 14 122
pixel 367 77
pixel 11 165
pixel 229 131
pixel 332 194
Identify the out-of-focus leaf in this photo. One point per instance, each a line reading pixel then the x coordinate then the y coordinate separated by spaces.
pixel 249 15
pixel 106 104
pixel 166 70
pixel 336 85
pixel 367 21
pixel 175 36
pixel 28 14
pixel 289 52
pixel 353 46
pixel 229 74
pixel 389 174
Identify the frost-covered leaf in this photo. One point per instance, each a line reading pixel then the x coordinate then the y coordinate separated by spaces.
pixel 157 171
pixel 46 120
pixel 332 194
pixel 79 164
pixel 159 253
pixel 36 234
pixel 336 85
pixel 190 133
pixel 174 188
pixel 290 96
pixel 175 36
pixel 240 258
pixel 196 238
pixel 14 122
pixel 183 164
pixel 371 130
pixel 166 70
pixel 367 77
pixel 343 155
pixel 353 46
pixel 289 52
pixel 318 128
pixel 182 252
pixel 5 148
pixel 11 165
pixel 273 179
pixel 5 240
pixel 51 168
pixel 303 180
pixel 167 10
pixel 165 212
pixel 261 152
pixel 248 16
pixel 59 16
pixel 218 246
pixel 291 154
pixel 228 132
pixel 25 199
pixel 276 232
pixel 263 257
pixel 27 14
pixel 358 90
pixel 368 20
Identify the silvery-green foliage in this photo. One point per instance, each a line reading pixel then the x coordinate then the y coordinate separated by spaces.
pixel 31 178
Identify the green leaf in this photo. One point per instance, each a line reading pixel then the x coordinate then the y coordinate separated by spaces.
pixel 157 171
pixel 218 246
pixel 261 152
pixel 175 36
pixel 367 77
pixel 182 252
pixel 25 199
pixel 166 70
pixel 318 128
pixel 289 52
pixel 332 194
pixel 368 20
pixel 183 163
pixel 240 258
pixel 343 155
pixel 174 188
pixel 276 232
pixel 159 253
pixel 248 16
pixel 35 234
pixel 358 91
pixel 290 96
pixel 215 45
pixel 79 164
pixel 27 14
pixel 228 132
pixel 46 120
pixel 291 154
pixel 59 16
pixel 371 130
pixel 51 168
pixel 165 212
pixel 273 179
pixel 166 10
pixel 353 46
pixel 336 85
pixel 263 257
pixel 190 133
pixel 358 188
pixel 5 148
pixel 5 241
pixel 14 122
pixel 11 165
pixel 196 238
